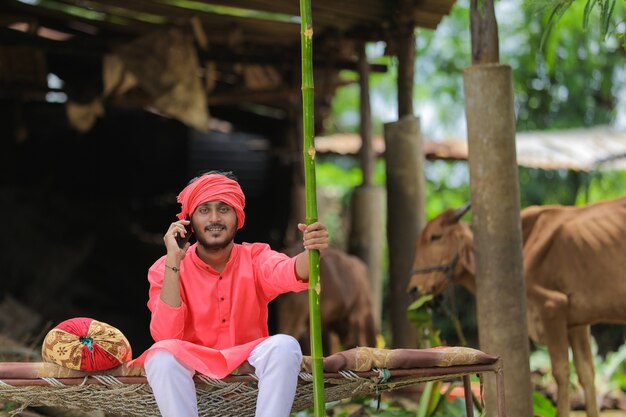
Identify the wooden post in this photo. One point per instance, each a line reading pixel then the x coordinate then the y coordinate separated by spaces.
pixel 405 186
pixel 494 185
pixel 366 241
pixel 405 196
pixel 484 30
pixel 366 152
pixel 406 71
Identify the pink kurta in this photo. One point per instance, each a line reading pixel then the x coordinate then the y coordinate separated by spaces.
pixel 223 316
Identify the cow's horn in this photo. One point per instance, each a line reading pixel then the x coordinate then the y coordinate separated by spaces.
pixel 458 213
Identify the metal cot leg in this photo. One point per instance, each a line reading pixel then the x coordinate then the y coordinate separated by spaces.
pixel 469 403
pixel 500 390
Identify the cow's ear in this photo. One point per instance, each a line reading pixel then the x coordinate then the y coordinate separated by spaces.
pixel 467 258
pixel 452 216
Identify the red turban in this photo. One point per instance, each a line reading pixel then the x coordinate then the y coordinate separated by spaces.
pixel 212 187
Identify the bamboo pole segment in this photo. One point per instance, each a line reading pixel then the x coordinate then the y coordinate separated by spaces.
pixel 311 206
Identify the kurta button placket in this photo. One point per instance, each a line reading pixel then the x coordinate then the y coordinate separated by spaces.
pixel 223 308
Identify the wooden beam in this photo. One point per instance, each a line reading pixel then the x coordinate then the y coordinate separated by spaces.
pixel 265 96
pixel 352 9
pixel 138 98
pixel 216 25
pixel 73 47
pixel 119 11
pixel 92 47
pixel 427 19
pixel 259 55
pixel 96 35
pixel 39 11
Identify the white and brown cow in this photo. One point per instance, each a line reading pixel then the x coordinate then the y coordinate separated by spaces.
pixel 575 274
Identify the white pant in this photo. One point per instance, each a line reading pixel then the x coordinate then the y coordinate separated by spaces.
pixel 277 364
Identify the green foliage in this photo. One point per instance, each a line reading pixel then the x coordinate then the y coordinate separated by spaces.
pixel 345 107
pixel 419 314
pixel 542 406
pixel 447 182
pixel 603 185
pixel 442 56
pixel 447 185
pixel 557 9
pixel 347 175
pixel 571 81
pixel 540 186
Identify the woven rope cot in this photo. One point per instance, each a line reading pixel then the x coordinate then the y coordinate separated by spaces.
pixel 125 392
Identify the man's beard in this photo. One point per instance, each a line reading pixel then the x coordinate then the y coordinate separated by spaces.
pixel 216 245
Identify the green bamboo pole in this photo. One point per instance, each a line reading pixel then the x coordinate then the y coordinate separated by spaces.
pixel 311 206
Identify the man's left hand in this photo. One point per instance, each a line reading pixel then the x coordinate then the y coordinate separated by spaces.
pixel 314 236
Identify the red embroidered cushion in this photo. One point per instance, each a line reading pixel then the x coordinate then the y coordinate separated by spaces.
pixel 86 344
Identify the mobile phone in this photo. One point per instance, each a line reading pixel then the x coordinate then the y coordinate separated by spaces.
pixel 188 233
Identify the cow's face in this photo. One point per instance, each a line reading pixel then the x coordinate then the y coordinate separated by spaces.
pixel 444 251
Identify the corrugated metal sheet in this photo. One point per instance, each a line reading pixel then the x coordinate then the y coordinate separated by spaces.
pixel 588 149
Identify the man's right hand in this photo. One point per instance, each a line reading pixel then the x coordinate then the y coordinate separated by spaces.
pixel 171 243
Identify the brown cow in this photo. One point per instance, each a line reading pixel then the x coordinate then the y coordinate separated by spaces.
pixel 575 272
pixel 345 305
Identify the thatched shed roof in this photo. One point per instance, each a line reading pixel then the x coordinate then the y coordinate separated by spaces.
pixel 248 50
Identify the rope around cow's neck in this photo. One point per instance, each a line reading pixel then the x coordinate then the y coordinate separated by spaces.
pixel 447 268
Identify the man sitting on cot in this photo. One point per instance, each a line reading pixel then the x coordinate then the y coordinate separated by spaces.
pixel 209 302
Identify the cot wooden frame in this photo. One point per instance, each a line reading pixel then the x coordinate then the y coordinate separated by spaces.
pixel 234 395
